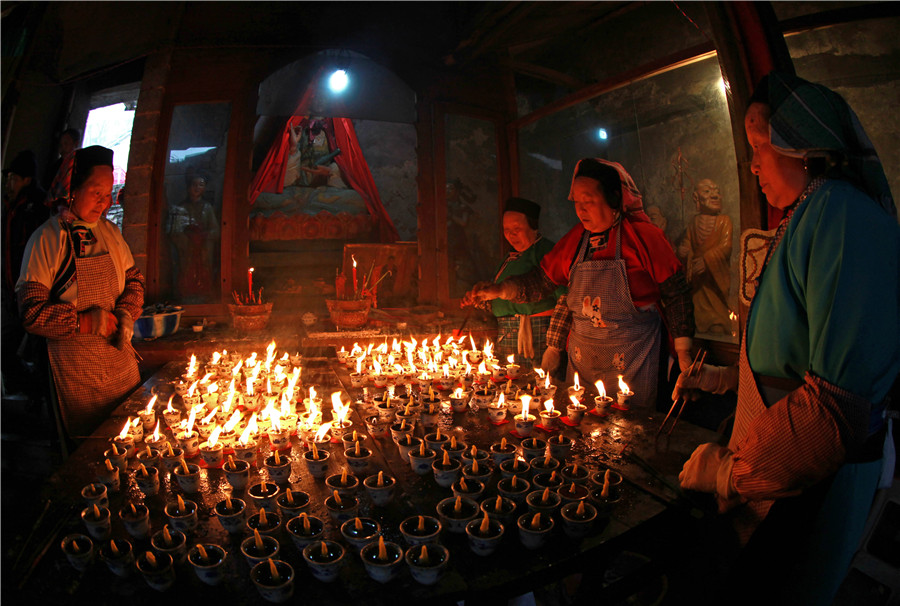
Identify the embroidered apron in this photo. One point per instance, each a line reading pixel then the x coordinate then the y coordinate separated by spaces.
pixel 91 376
pixel 609 336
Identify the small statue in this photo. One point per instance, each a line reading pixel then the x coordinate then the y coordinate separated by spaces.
pixel 705 251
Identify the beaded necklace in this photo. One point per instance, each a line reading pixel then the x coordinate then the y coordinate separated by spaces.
pixel 782 225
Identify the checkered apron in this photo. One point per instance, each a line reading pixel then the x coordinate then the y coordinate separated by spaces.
pixel 840 513
pixel 508 328
pixel 613 337
pixel 91 376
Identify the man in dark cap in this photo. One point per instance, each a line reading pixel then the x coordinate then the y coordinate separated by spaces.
pixel 23 212
pixel 79 288
pixel 522 327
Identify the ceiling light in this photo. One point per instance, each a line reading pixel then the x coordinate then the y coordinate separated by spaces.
pixel 338 81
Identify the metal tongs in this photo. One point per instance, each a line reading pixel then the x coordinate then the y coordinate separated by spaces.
pixel 693 371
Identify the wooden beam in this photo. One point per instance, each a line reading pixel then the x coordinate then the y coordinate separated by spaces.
pixel 545 73
pixel 642 72
pixel 509 14
pixel 857 12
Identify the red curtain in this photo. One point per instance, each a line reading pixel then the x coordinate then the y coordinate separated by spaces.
pixel 354 169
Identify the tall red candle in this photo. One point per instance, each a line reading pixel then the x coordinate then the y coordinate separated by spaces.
pixel 250 283
pixel 355 285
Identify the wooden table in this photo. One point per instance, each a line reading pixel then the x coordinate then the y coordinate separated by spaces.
pixel 650 498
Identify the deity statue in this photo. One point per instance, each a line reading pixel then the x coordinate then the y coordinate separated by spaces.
pixel 312 179
pixel 705 251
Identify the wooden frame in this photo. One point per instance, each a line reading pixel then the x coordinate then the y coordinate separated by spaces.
pixel 440 288
pixel 200 79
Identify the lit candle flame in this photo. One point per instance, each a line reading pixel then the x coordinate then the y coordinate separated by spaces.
pixel 150 404
pixel 192 366
pixel 156 432
pixel 233 421
pixel 323 429
pixel 229 399
pixel 208 419
pixel 169 405
pixel 191 418
pixel 501 400
pixel 577 384
pixel 339 411
pixel 213 436
pixel 511 359
pixel 526 403
pixel 285 406
pixel 248 432
pixel 124 433
pixel 216 357
pixel 458 393
pixel 623 387
pixel 548 405
pixel 601 389
pixel 191 389
pixel 539 372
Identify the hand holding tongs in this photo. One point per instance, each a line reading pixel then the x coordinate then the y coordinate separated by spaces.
pixel 693 371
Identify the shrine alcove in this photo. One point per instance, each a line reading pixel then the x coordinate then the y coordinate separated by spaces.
pixel 364 135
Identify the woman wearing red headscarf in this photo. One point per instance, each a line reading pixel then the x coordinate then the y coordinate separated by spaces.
pixel 623 279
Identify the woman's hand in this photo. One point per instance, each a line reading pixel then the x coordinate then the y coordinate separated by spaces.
pixel 97 321
pixel 481 292
pixel 714 379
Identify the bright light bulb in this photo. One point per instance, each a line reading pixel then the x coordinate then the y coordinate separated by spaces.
pixel 602 134
pixel 338 81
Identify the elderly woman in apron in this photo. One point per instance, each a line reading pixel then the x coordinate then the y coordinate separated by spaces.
pixel 622 276
pixel 820 352
pixel 522 327
pixel 79 288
